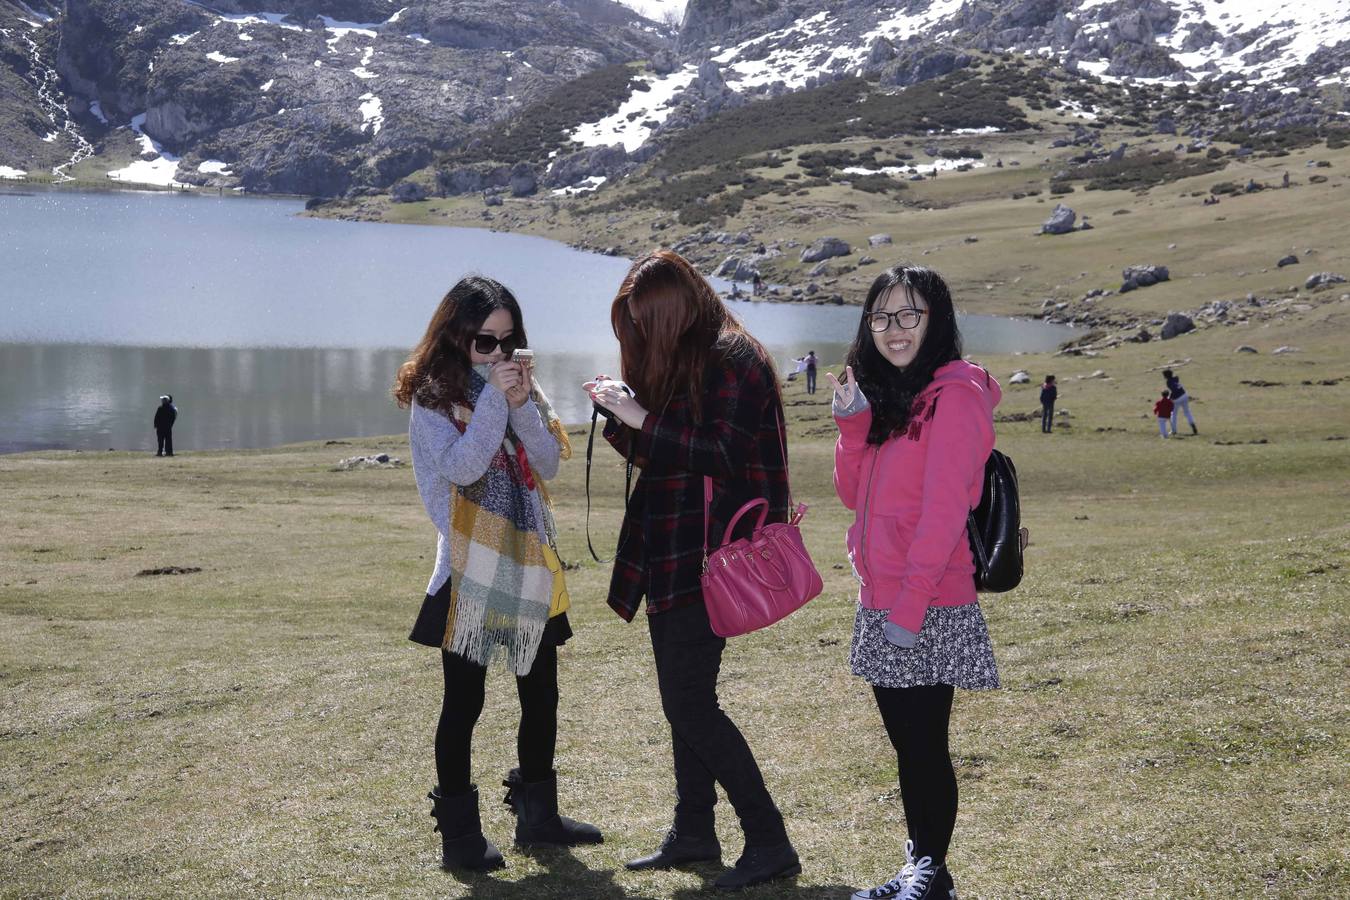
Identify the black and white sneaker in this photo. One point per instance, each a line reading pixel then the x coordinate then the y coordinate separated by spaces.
pixel 917 880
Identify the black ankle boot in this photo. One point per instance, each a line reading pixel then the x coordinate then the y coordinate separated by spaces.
pixel 537 819
pixel 760 864
pixel 679 848
pixel 463 845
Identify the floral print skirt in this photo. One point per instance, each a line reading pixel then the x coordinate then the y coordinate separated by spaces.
pixel 953 648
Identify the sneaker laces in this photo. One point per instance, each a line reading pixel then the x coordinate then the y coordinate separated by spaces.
pixel 901 879
pixel 919 877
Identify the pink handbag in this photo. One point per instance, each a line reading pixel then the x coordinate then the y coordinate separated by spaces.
pixel 753 582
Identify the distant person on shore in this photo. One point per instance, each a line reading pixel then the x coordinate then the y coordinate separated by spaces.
pixel 1180 402
pixel 1163 410
pixel 811 362
pixel 916 426
pixel 483 438
pixel 165 416
pixel 705 404
pixel 1049 393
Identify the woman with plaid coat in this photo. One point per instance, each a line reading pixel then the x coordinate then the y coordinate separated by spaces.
pixel 704 402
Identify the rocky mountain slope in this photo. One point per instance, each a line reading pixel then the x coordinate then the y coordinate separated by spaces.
pixel 332 97
pixel 306 97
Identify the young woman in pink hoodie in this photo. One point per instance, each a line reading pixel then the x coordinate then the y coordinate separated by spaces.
pixel 915 428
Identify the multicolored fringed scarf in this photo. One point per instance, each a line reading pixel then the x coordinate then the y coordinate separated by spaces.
pixel 501 586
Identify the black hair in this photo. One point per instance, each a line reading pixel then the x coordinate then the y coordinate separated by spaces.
pixel 1167 394
pixel 891 391
pixel 1167 373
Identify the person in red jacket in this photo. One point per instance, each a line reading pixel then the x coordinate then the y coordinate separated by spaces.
pixel 916 426
pixel 1163 410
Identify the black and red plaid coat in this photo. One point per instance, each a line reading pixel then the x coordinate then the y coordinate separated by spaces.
pixel 740 443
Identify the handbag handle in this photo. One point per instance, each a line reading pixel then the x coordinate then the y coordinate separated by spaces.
pixel 736 519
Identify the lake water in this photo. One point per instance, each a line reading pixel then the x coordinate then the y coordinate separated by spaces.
pixel 269 328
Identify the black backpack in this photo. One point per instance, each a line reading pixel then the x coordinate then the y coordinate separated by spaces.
pixel 997 537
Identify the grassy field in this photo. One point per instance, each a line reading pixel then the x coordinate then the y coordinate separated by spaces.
pixel 1172 723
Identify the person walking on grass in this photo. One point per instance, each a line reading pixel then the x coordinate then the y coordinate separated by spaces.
pixel 704 402
pixel 915 429
pixel 165 415
pixel 1180 402
pixel 1049 393
pixel 484 438
pixel 1163 410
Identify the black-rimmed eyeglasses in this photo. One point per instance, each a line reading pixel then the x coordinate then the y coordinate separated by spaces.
pixel 488 343
pixel 909 317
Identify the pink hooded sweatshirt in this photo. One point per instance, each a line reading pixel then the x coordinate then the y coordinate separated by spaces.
pixel 912 494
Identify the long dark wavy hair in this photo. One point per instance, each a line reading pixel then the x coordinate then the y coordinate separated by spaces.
pixel 437 371
pixel 889 390
pixel 670 323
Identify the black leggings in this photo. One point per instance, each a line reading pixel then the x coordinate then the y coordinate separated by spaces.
pixel 464 692
pixel 916 720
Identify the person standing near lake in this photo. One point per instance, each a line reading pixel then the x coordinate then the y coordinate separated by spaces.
pixel 1049 393
pixel 165 416
pixel 915 430
pixel 1164 413
pixel 811 363
pixel 1179 401
pixel 705 402
pixel 483 438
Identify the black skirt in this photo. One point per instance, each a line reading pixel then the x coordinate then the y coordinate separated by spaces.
pixel 429 629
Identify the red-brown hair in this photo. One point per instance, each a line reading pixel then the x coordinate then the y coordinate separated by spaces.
pixel 670 323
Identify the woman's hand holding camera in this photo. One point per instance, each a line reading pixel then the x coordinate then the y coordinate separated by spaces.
pixel 512 380
pixel 615 397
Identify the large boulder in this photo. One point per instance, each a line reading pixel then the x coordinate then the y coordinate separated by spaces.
pixel 878 240
pixel 1322 279
pixel 575 168
pixel 1143 276
pixel 1060 221
pixel 825 248
pixel 407 192
pixel 734 268
pixel 1176 323
pixel 523 181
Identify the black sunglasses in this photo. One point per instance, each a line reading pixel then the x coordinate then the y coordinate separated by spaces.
pixel 487 343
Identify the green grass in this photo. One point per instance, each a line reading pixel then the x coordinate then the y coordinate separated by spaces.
pixel 1172 721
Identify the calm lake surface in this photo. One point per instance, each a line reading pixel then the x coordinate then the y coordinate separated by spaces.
pixel 269 328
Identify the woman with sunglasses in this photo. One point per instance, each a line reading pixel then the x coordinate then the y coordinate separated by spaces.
pixel 916 426
pixel 705 402
pixel 482 436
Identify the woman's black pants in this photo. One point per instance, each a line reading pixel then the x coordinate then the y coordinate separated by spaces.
pixel 465 684
pixel 709 748
pixel 916 720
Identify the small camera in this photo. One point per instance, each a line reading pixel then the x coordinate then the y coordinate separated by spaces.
pixel 524 357
pixel 614 383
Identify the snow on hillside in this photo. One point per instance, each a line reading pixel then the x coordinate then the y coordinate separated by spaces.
pixel 629 125
pixel 1249 37
pixel 1255 38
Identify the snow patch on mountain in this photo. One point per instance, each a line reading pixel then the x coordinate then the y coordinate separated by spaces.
pixel 632 124
pixel 161 170
pixel 372 113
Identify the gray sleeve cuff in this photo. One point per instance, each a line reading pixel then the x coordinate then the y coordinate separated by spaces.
pixel 858 405
pixel 900 636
